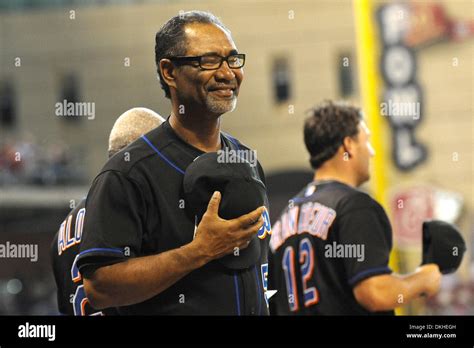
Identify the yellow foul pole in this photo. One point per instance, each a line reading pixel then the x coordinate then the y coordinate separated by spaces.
pixel 368 54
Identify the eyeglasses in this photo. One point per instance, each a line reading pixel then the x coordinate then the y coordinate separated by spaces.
pixel 213 62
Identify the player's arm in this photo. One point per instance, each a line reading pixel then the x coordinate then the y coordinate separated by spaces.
pixel 388 291
pixel 374 285
pixel 141 278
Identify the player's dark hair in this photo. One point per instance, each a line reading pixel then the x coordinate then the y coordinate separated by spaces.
pixel 326 127
pixel 170 40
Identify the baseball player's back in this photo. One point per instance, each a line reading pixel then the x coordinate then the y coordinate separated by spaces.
pixel 329 238
pixel 71 297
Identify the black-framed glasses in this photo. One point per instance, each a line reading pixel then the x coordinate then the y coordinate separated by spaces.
pixel 213 62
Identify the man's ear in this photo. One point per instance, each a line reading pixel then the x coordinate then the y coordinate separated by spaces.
pixel 348 146
pixel 167 72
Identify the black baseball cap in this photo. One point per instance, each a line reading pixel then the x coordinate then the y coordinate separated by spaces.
pixel 443 245
pixel 242 192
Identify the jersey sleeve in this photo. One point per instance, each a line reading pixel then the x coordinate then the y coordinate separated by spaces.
pixel 114 221
pixel 365 234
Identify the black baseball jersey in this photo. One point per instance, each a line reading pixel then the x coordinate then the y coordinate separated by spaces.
pixel 329 238
pixel 136 207
pixel 71 297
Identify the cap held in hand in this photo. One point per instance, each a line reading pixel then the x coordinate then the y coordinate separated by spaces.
pixel 241 190
pixel 442 245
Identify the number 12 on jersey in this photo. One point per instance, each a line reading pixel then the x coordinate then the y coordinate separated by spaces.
pixel 306 262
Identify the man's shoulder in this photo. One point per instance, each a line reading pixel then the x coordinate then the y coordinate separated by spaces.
pixel 78 207
pixel 337 195
pixel 138 151
pixel 353 199
pixel 236 142
pixel 250 154
pixel 60 238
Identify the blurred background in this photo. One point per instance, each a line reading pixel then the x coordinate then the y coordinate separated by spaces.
pixel 381 55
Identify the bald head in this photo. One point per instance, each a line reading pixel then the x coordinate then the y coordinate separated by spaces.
pixel 130 126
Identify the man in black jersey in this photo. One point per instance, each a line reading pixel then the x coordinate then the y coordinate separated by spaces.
pixel 141 252
pixel 65 247
pixel 330 247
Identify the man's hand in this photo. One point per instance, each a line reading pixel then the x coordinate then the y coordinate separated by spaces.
pixel 216 237
pixel 431 278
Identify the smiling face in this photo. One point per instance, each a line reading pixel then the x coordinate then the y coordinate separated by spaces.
pixel 212 91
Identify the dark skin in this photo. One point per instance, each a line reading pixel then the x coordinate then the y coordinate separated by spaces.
pixel 190 86
pixel 139 279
